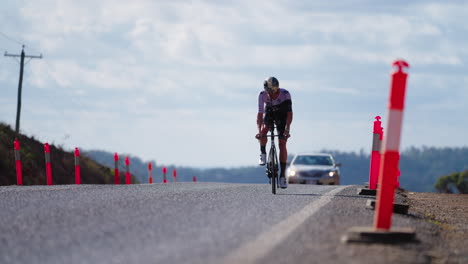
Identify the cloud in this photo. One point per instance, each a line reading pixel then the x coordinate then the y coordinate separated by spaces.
pixel 157 71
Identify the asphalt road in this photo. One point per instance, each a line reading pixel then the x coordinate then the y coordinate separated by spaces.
pixel 190 223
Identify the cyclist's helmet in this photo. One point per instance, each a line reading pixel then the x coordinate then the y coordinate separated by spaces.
pixel 271 85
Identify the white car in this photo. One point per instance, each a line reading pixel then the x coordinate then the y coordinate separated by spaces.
pixel 314 168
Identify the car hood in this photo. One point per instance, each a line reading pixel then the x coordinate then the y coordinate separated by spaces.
pixel 312 168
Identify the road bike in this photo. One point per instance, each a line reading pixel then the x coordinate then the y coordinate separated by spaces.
pixel 272 160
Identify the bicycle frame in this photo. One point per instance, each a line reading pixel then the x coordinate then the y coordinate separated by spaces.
pixel 272 162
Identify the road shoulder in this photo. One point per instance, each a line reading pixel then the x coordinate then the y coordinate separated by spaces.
pixel 448 214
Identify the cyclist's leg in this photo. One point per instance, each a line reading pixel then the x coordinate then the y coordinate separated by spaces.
pixel 263 133
pixel 264 130
pixel 263 140
pixel 283 155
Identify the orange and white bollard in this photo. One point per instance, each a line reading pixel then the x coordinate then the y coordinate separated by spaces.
pixel 77 167
pixel 384 206
pixel 19 171
pixel 116 169
pixel 150 171
pixel 127 172
pixel 48 164
pixel 390 154
pixel 164 171
pixel 375 155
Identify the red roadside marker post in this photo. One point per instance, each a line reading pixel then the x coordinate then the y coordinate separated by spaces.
pixel 150 171
pixel 194 178
pixel 127 173
pixel 381 232
pixel 77 167
pixel 174 174
pixel 19 171
pixel 48 165
pixel 116 169
pixel 164 171
pixel 375 159
pixel 391 151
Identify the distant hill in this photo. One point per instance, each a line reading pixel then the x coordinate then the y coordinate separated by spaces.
pixel 420 168
pixel 33 163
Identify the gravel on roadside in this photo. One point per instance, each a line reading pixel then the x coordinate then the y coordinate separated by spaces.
pixel 448 213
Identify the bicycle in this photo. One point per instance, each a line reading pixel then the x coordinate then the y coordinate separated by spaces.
pixel 272 160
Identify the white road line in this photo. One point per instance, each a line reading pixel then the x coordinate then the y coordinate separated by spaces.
pixel 253 251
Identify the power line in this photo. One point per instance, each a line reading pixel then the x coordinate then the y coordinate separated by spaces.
pixel 17 41
pixel 10 38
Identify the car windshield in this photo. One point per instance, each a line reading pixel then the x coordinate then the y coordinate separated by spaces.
pixel 313 160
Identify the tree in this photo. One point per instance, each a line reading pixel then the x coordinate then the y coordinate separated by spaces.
pixel 455 182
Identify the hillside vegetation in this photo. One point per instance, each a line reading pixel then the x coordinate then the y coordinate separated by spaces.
pixel 420 167
pixel 456 182
pixel 33 163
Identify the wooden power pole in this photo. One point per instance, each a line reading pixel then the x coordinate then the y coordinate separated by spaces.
pixel 20 83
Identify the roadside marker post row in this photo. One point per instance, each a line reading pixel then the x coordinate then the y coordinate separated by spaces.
pixel 381 231
pixel 77 156
pixel 19 171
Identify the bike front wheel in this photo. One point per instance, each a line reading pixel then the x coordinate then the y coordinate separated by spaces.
pixel 273 169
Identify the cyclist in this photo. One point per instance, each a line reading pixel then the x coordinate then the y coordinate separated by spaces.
pixel 274 104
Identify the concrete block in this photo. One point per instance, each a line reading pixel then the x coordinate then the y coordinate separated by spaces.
pixel 397 208
pixel 371 235
pixel 364 191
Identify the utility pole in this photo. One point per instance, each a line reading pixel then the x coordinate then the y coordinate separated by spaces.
pixel 20 83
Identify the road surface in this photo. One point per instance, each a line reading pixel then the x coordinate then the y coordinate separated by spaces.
pixel 191 223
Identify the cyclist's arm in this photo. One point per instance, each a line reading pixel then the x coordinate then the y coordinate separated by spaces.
pixel 289 119
pixel 289 116
pixel 261 109
pixel 259 121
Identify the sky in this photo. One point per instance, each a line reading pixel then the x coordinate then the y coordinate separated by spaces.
pixel 178 81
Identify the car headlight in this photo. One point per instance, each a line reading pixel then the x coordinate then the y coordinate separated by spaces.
pixel 332 173
pixel 291 173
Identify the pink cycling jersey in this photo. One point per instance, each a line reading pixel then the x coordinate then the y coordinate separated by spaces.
pixel 282 103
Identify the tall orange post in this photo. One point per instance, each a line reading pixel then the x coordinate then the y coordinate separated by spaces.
pixel 127 172
pixel 116 169
pixel 48 164
pixel 375 155
pixel 19 171
pixel 150 171
pixel 164 171
pixel 390 154
pixel 77 167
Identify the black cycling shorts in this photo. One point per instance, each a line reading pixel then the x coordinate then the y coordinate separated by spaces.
pixel 277 118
